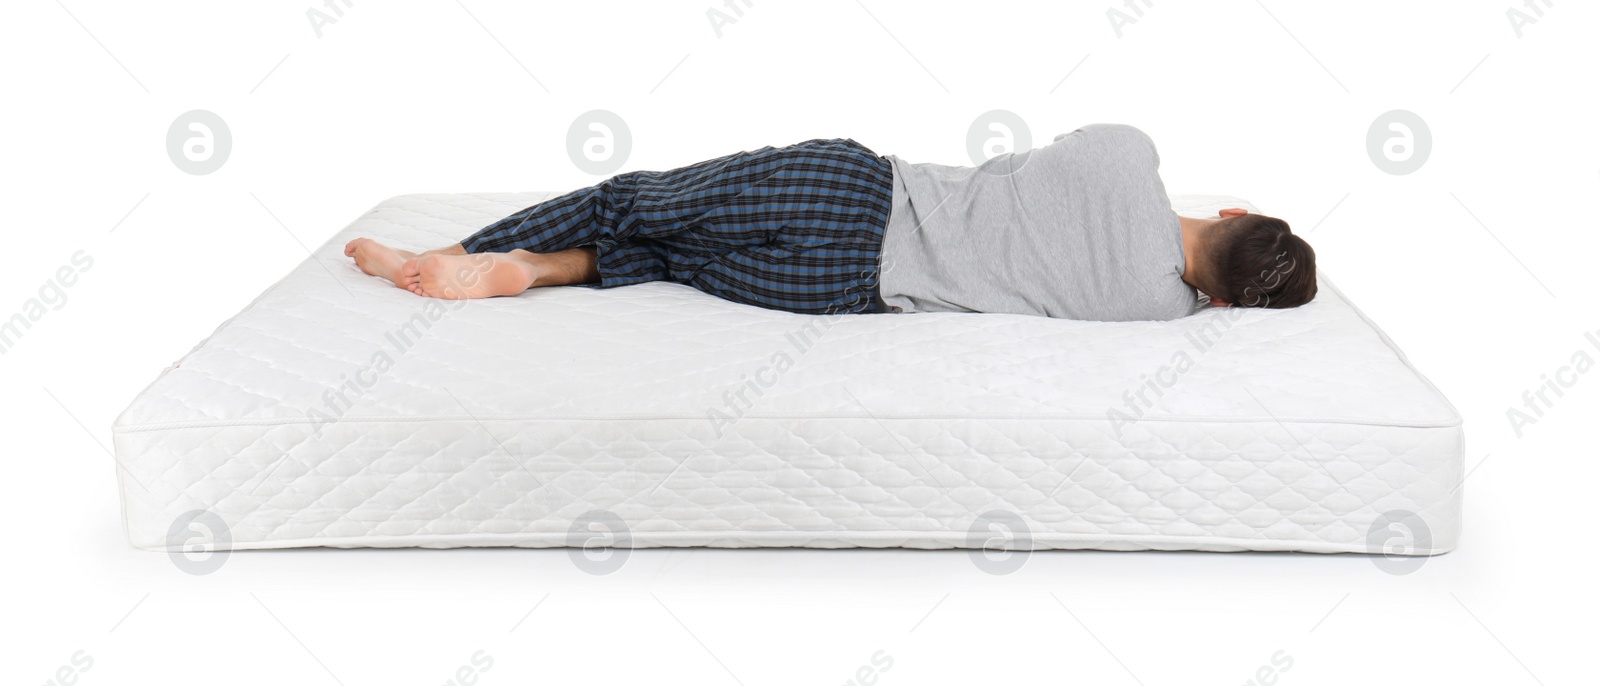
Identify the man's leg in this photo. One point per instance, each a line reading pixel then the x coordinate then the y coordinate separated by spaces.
pixel 820 214
pixel 797 228
pixel 582 218
pixel 637 222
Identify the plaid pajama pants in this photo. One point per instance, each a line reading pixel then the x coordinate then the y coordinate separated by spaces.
pixel 797 228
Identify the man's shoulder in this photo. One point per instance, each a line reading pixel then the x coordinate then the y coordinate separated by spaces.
pixel 1114 135
pixel 1106 129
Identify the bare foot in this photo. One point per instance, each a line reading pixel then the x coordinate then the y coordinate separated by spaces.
pixel 481 275
pixel 378 259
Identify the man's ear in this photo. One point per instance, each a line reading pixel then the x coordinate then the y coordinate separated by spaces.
pixel 1219 302
pixel 1232 212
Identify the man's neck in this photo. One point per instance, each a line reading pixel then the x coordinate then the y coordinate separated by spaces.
pixel 1192 228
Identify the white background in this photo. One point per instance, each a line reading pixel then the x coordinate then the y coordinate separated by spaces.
pixel 1479 265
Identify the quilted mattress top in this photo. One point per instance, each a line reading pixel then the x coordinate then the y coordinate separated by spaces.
pixel 328 343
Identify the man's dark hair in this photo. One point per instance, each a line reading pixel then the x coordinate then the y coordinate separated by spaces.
pixel 1257 262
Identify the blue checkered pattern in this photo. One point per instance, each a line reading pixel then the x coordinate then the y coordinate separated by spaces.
pixel 796 228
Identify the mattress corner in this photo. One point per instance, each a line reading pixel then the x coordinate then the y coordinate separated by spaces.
pixel 1453 415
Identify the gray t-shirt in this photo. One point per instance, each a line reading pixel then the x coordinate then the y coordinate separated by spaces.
pixel 1081 228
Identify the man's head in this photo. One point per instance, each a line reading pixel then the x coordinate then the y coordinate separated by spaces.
pixel 1249 260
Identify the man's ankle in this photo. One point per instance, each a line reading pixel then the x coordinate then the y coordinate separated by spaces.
pixel 456 249
pixel 538 265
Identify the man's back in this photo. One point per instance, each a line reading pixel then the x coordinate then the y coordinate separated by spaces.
pixel 1079 229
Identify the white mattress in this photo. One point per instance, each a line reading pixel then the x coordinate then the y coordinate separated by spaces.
pixel 504 421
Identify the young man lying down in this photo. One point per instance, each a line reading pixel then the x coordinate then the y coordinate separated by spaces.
pixel 1081 229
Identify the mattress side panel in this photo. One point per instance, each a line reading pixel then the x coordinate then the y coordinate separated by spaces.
pixel 813 483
